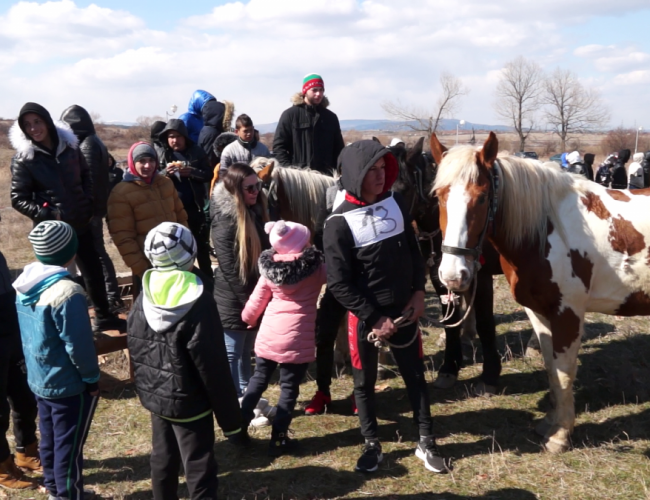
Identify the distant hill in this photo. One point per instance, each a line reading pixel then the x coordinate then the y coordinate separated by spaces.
pixel 394 126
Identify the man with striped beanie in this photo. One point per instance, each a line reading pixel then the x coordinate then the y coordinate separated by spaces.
pixel 182 375
pixel 308 134
pixel 60 356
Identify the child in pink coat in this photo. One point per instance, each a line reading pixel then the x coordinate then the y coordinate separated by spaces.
pixel 291 276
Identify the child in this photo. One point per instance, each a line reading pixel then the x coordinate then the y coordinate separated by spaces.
pixel 62 369
pixel 292 274
pixel 182 374
pixel 245 149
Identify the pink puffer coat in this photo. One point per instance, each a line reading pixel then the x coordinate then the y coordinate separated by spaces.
pixel 289 285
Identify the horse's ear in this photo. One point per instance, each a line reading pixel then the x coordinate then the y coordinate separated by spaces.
pixel 488 154
pixel 437 149
pixel 265 174
pixel 375 139
pixel 414 152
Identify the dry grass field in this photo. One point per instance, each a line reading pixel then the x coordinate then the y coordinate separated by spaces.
pixel 494 452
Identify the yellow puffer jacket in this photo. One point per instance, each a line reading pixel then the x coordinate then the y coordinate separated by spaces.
pixel 134 209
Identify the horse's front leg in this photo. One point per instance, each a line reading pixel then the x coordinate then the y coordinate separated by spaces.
pixel 561 366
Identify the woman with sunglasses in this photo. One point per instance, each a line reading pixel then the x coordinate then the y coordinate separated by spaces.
pixel 238 212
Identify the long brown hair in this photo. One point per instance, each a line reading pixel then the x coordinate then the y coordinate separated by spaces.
pixel 249 246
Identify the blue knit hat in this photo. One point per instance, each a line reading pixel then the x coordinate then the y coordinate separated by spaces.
pixel 54 242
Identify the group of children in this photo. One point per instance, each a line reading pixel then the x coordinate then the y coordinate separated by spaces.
pixel 177 348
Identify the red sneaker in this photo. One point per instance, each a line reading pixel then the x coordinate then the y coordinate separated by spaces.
pixel 355 410
pixel 318 403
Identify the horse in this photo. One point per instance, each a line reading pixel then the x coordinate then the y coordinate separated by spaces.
pixel 415 180
pixel 568 246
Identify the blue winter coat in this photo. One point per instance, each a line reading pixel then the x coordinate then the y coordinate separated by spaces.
pixel 193 118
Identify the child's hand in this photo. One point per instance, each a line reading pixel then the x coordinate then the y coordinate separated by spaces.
pixel 250 327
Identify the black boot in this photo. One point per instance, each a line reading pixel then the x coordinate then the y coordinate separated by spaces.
pixel 281 443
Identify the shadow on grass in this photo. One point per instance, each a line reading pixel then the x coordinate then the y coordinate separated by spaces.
pixel 503 494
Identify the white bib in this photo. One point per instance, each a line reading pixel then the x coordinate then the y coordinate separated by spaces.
pixel 374 223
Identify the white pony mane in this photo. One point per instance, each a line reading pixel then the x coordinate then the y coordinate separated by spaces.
pixel 529 192
pixel 305 190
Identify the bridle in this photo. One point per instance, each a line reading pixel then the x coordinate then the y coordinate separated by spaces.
pixel 495 180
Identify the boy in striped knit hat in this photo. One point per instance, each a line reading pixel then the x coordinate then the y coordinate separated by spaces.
pixel 62 369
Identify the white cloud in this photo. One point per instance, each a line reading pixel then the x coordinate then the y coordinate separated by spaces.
pixel 256 52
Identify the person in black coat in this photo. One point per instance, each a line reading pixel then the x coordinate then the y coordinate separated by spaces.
pixel 213 113
pixel 97 157
pixel 156 127
pixel 186 164
pixel 238 212
pixel 50 179
pixel 181 370
pixel 16 398
pixel 619 172
pixel 375 271
pixel 308 134
pixel 645 164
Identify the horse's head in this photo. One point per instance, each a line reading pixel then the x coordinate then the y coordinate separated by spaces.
pixel 466 186
pixel 414 183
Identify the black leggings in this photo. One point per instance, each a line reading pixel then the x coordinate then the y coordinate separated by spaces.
pixel 364 371
pixel 328 319
pixel 291 375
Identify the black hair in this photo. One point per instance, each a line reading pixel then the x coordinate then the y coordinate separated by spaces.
pixel 243 121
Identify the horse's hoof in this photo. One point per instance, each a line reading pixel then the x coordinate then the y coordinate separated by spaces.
pixel 445 381
pixel 543 427
pixel 483 389
pixel 533 352
pixel 554 445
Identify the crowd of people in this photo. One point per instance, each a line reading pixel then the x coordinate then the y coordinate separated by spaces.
pixel 193 331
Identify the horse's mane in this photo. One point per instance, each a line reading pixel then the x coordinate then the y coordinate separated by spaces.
pixel 305 191
pixel 529 193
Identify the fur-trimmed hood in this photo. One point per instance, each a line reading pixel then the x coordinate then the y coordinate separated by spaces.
pixel 299 98
pixel 290 272
pixel 223 202
pixel 25 148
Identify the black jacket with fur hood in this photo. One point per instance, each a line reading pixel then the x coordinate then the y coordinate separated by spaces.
pixel 373 259
pixel 230 292
pixel 60 178
pixel 308 136
pixel 94 151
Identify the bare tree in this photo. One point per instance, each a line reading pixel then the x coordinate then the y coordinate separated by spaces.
pixel 518 95
pixel 421 118
pixel 572 107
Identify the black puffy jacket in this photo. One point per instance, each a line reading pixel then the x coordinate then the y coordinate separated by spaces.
pixel 230 292
pixel 619 172
pixel 645 164
pixel 182 371
pixel 308 136
pixel 373 259
pixel 61 179
pixel 192 190
pixel 213 112
pixel 578 168
pixel 95 153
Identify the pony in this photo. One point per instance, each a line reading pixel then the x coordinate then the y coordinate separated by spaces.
pixel 416 176
pixel 567 246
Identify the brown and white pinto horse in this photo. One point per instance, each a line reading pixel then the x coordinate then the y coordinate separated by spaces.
pixel 568 246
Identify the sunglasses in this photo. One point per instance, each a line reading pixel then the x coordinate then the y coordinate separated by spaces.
pixel 253 188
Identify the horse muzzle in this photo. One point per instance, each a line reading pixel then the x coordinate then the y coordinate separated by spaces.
pixel 454 273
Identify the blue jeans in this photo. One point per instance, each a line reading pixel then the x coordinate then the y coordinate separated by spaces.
pixel 239 345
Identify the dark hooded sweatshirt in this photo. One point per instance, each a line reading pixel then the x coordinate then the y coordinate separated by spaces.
pixel 589 165
pixel 645 164
pixel 191 190
pixel 212 112
pixel 58 177
pixel 619 173
pixel 94 152
pixel 373 259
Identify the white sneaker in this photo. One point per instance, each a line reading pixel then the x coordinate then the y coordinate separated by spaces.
pixel 261 421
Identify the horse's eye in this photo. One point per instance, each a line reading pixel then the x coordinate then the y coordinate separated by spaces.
pixel 481 199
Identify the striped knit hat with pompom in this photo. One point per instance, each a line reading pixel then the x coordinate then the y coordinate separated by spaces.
pixel 54 242
pixel 170 246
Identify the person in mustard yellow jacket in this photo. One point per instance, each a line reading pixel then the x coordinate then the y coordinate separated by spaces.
pixel 139 203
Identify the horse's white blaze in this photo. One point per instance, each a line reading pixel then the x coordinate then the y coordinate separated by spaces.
pixel 453 267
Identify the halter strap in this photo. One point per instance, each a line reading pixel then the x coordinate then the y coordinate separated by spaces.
pixel 495 179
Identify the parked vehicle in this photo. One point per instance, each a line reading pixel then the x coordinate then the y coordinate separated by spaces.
pixel 527 154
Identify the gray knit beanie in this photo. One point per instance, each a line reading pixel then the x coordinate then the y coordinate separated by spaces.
pixel 170 246
pixel 54 242
pixel 142 151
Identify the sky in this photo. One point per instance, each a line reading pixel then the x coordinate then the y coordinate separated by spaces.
pixel 124 59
